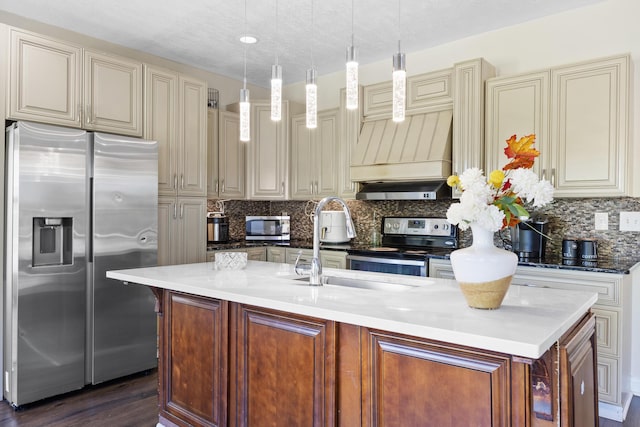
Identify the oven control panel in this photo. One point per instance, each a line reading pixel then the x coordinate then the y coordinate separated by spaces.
pixel 417 226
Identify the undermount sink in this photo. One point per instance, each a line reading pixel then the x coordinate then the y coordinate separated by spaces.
pixel 361 283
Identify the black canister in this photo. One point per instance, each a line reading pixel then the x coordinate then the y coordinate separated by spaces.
pixel 588 249
pixel 569 248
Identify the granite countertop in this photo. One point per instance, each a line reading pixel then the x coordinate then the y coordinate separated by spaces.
pixel 601 265
pixel 529 321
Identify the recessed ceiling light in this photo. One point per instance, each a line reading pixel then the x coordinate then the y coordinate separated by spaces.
pixel 248 39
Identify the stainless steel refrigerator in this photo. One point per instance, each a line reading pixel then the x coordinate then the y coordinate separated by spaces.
pixel 77 204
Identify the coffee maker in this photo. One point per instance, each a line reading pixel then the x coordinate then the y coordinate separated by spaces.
pixel 528 237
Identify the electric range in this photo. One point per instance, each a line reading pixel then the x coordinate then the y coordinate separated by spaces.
pixel 406 244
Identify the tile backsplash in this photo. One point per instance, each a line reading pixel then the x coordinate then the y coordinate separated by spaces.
pixel 567 217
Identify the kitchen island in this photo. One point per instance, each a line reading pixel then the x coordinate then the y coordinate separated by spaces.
pixel 259 347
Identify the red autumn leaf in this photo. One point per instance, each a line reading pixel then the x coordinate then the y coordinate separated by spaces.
pixel 521 152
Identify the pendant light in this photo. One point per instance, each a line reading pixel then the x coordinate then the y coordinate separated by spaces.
pixel 352 72
pixel 311 87
pixel 245 106
pixel 276 82
pixel 399 79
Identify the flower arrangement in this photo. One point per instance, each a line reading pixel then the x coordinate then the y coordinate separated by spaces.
pixel 497 202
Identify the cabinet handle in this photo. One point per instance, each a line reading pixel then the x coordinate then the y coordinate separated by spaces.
pixel 544 174
pixel 316 187
pixel 282 187
pixel 175 181
pixel 175 211
pixel 88 113
pixel 222 186
pixel 311 187
pixel 181 210
pixel 79 114
pixel 182 181
pixel 216 185
pixel 553 177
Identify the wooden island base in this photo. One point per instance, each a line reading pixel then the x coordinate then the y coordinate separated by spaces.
pixel 231 364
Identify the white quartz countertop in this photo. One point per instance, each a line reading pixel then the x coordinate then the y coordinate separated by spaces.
pixel 529 321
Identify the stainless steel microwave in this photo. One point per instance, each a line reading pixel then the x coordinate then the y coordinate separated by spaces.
pixel 268 228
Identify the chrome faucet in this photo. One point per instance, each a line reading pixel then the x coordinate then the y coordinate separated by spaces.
pixel 315 276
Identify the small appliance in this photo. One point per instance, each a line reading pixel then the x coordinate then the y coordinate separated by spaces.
pixel 268 228
pixel 217 227
pixel 333 227
pixel 528 237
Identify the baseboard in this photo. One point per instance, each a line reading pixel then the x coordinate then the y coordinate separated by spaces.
pixel 635 386
pixel 615 412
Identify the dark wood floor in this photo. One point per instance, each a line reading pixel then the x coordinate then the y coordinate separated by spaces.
pixel 132 402
pixel 129 402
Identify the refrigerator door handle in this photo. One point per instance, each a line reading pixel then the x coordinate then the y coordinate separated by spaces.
pixel 90 233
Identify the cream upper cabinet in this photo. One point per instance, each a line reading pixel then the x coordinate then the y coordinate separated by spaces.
pixel 314 156
pixel 268 153
pixel 60 83
pixel 161 89
pixel 516 105
pixel 181 230
pixel 468 114
pixel 112 94
pixel 45 78
pixel 579 114
pixel 176 117
pixel 192 137
pixel 349 131
pixel 226 156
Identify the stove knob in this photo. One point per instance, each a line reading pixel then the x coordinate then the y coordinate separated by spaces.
pixel 435 227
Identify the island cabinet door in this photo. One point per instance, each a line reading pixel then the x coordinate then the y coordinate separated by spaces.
pixel 578 386
pixel 193 368
pixel 282 369
pixel 412 382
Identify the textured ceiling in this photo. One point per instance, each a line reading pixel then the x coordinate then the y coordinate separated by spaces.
pixel 205 33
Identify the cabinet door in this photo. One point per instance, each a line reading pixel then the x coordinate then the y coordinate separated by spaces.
pixel 326 154
pixel 194 365
pixel 112 94
pixel 589 128
pixel 44 80
pixel 305 255
pixel 517 105
pixel 160 103
pixel 168 242
pixel 192 137
pixel 349 131
pixel 403 382
pixel 213 185
pixel 578 388
pixel 268 153
pixel 302 159
pixel 231 157
pixel 275 254
pixel 192 214
pixel 282 369
pixel 333 259
pixel 256 254
pixel 468 114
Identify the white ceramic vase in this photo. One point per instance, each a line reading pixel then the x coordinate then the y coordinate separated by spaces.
pixel 483 271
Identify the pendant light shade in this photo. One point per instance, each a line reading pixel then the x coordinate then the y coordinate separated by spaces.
pixel 399 79
pixel 352 79
pixel 245 116
pixel 312 99
pixel 276 93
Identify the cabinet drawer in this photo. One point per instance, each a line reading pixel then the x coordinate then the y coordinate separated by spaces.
pixel 605 284
pixel 607 329
pixel 608 380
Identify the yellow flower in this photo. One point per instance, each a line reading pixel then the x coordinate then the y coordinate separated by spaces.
pixel 453 180
pixel 496 178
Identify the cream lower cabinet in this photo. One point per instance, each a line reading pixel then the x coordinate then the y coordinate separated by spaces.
pixel 226 156
pixel 182 235
pixel 52 81
pixel 176 117
pixel 613 322
pixel 315 156
pixel 328 258
pixel 579 114
pixel 254 254
pixel 276 254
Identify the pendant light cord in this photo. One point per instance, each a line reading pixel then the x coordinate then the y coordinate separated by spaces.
pixel 399 38
pixel 245 46
pixel 312 34
pixel 352 13
pixel 276 32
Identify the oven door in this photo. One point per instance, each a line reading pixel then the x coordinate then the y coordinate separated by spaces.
pixel 411 267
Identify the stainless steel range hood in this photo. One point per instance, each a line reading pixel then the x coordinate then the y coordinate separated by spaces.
pixel 415 190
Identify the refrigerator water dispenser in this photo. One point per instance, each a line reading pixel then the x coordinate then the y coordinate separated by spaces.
pixel 52 241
